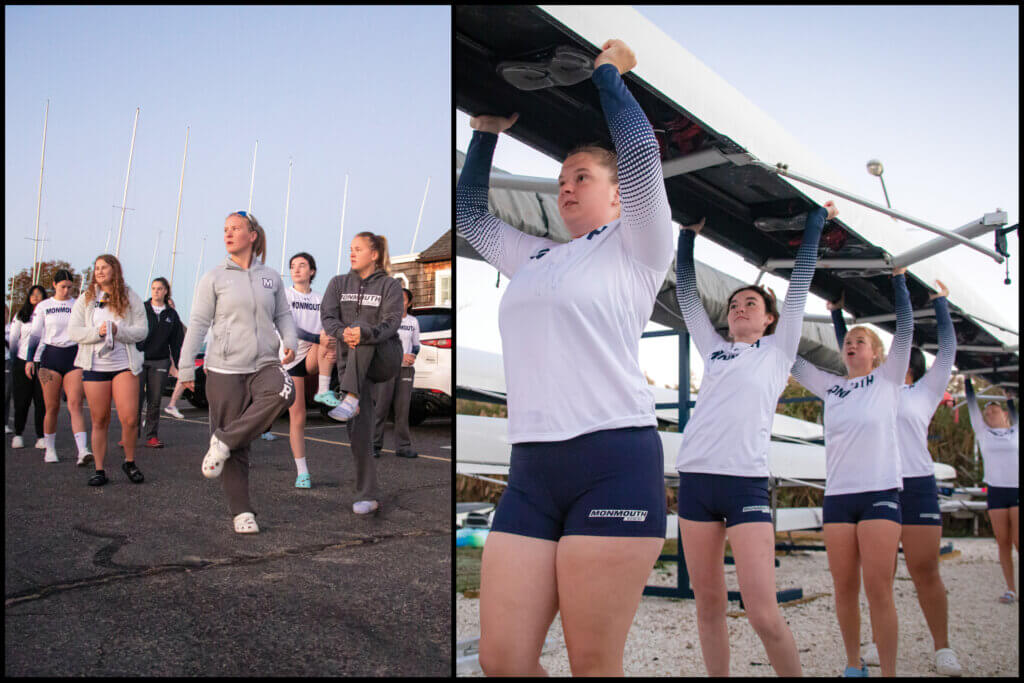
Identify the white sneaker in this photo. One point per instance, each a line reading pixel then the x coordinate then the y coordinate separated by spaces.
pixel 946 663
pixel 365 507
pixel 17 442
pixel 84 457
pixel 213 463
pixel 870 654
pixel 41 443
pixel 51 455
pixel 174 412
pixel 245 523
pixel 7 429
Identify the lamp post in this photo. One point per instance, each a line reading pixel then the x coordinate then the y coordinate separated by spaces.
pixel 875 168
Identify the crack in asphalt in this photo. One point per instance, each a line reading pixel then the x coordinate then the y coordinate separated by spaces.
pixel 104 558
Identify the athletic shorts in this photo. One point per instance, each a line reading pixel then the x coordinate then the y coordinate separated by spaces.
pixel 606 483
pixel 718 497
pixel 1000 497
pixel 101 375
pixel 919 501
pixel 59 359
pixel 299 369
pixel 850 508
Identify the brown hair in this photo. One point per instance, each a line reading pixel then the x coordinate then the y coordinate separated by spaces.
pixel 604 156
pixel 259 247
pixel 770 305
pixel 379 244
pixel 874 340
pixel 118 294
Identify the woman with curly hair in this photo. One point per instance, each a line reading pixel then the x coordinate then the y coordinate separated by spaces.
pixel 107 321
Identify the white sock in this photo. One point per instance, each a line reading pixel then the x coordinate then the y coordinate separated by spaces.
pixel 300 465
pixel 50 439
pixel 80 441
pixel 325 383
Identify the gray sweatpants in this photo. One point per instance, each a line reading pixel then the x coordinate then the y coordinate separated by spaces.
pixel 151 391
pixel 241 408
pixel 395 393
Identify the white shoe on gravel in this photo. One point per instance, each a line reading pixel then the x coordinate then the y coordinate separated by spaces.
pixel 174 412
pixel 41 443
pixel 946 663
pixel 213 463
pixel 17 442
pixel 870 654
pixel 245 523
pixel 365 507
pixel 51 455
pixel 84 458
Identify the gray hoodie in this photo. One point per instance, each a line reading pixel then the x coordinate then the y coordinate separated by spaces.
pixel 244 307
pixel 374 305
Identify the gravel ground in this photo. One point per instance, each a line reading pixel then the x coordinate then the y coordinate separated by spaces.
pixel 663 639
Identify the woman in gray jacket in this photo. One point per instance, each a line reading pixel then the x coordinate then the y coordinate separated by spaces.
pixel 246 385
pixel 362 310
pixel 106 322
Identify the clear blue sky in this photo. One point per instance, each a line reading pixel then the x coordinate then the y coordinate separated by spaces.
pixel 357 90
pixel 931 91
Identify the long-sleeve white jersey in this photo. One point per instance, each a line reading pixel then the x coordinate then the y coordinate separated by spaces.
pixel 409 334
pixel 861 443
pixel 999 447
pixel 573 313
pixel 306 314
pixel 50 323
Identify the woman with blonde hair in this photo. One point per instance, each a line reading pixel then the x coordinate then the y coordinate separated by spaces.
pixel 107 321
pixel 246 386
pixel 363 310
pixel 863 477
pixel 582 521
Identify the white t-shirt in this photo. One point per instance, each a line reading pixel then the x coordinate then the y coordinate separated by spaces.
pixel 105 359
pixel 999 449
pixel 861 443
pixel 157 309
pixel 409 333
pixel 306 313
pixel 50 322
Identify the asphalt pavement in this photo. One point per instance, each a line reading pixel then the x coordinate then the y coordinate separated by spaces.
pixel 150 579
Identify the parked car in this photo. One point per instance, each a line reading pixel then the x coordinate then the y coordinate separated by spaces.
pixel 432 386
pixel 198 397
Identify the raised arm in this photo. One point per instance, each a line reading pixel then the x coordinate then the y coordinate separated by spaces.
pixel 646 215
pixel 1011 408
pixel 500 244
pixel 792 314
pixel 937 377
pixel 697 321
pixel 895 366
pixel 839 325
pixel 973 412
pixel 814 380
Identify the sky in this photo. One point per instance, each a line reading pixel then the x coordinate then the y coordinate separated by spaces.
pixel 338 90
pixel 930 91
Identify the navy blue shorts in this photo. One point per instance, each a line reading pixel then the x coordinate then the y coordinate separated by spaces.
pixel 718 497
pixel 919 501
pixel 299 370
pixel 59 359
pixel 1000 497
pixel 606 483
pixel 850 508
pixel 101 375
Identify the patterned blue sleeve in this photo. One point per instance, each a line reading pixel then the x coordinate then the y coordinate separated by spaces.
pixel 1012 409
pixel 792 322
pixel 895 366
pixel 973 412
pixel 697 321
pixel 645 211
pixel 839 325
pixel 937 378
pixel 498 243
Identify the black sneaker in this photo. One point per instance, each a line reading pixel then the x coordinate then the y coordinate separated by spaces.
pixel 98 479
pixel 406 454
pixel 132 470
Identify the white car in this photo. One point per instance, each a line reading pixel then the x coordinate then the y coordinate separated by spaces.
pixel 432 385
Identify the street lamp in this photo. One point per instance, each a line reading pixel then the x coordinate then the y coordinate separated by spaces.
pixel 875 168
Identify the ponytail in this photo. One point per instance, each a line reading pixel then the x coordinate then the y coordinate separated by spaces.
pixel 259 247
pixel 379 244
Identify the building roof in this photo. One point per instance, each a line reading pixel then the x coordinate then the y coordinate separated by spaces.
pixel 440 250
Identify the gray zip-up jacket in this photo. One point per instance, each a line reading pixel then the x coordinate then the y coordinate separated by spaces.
pixel 244 307
pixel 374 305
